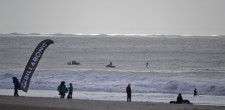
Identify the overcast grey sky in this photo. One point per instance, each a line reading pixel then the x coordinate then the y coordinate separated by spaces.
pixel 184 17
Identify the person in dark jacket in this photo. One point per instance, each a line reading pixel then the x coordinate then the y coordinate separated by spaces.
pixel 16 86
pixel 70 91
pixel 62 89
pixel 179 99
pixel 128 90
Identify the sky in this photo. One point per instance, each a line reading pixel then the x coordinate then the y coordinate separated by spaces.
pixel 180 17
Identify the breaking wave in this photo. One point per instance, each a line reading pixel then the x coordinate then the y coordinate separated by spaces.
pixel 112 81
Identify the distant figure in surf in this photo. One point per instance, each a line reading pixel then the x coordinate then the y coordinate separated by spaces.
pixel 62 89
pixel 110 63
pixel 128 90
pixel 195 92
pixel 146 64
pixel 70 91
pixel 16 86
pixel 179 99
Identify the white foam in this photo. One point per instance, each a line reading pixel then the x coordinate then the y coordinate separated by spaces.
pixel 114 81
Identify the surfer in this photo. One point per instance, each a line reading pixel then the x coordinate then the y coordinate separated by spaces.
pixel 146 64
pixel 195 92
pixel 110 65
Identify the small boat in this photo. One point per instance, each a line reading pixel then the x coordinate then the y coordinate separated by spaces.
pixel 73 63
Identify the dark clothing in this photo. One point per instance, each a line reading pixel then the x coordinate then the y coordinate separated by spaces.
pixel 16 82
pixel 70 92
pixel 179 99
pixel 16 91
pixel 128 90
pixel 62 90
pixel 16 86
pixel 195 92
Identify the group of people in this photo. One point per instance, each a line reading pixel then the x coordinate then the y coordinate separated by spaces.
pixel 63 90
pixel 180 98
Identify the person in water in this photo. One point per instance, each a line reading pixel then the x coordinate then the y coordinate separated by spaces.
pixel 16 86
pixel 110 63
pixel 146 64
pixel 128 90
pixel 70 91
pixel 62 89
pixel 179 99
pixel 195 92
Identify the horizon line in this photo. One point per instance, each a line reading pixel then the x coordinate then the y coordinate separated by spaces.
pixel 94 34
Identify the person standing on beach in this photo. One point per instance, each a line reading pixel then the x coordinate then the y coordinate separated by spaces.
pixel 16 86
pixel 128 90
pixel 62 89
pixel 70 91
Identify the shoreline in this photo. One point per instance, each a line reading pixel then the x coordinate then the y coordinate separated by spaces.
pixel 111 96
pixel 43 103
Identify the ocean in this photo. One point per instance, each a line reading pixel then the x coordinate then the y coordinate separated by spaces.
pixel 177 64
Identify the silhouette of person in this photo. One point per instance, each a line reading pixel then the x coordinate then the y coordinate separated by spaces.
pixel 128 90
pixel 179 99
pixel 16 86
pixel 110 63
pixel 70 91
pixel 146 64
pixel 62 89
pixel 195 92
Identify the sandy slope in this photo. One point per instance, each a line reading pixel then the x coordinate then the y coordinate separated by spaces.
pixel 34 103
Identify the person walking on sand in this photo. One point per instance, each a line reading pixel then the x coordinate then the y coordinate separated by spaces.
pixel 195 92
pixel 62 89
pixel 128 90
pixel 70 91
pixel 16 86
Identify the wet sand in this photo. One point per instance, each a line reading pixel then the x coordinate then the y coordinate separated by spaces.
pixel 37 103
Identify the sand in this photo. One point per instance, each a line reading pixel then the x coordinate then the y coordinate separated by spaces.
pixel 38 103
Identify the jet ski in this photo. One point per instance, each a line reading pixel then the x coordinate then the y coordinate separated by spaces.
pixel 110 66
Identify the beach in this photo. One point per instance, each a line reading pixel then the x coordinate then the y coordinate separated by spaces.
pixel 176 65
pixel 37 103
pixel 158 54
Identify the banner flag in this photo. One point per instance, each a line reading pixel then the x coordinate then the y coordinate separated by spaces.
pixel 32 64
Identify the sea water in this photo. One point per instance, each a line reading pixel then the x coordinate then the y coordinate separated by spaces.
pixel 177 64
